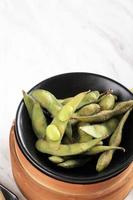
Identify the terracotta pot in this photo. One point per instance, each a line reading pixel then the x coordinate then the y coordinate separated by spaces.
pixel 36 185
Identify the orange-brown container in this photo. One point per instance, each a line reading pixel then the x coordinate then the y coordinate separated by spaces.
pixel 35 185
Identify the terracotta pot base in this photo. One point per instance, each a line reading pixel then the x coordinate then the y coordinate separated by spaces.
pixel 36 185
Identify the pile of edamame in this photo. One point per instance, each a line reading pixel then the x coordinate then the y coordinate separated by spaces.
pixel 79 126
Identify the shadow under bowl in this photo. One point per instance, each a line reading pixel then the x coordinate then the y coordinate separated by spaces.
pixel 66 85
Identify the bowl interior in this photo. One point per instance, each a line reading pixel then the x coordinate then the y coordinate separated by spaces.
pixel 66 85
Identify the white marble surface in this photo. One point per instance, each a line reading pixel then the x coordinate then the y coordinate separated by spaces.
pixel 39 39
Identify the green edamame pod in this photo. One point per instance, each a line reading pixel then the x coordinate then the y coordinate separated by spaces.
pixel 56 159
pixel 89 109
pixel 90 97
pixel 39 122
pixel 56 129
pixel 29 103
pixel 104 115
pixel 38 119
pixel 100 143
pixel 69 108
pixel 115 140
pixel 116 137
pixel 99 149
pixel 111 124
pixel 47 100
pixel 73 163
pixel 99 130
pixel 83 136
pixel 103 94
pixel 108 102
pixel 65 150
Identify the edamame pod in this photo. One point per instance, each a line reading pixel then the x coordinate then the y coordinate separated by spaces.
pixel 104 115
pixel 83 136
pixel 39 122
pixel 89 110
pixel 89 98
pixel 99 130
pixel 56 159
pixel 47 100
pixel 29 103
pixel 35 112
pixel 115 140
pixel 73 163
pixel 100 148
pixel 65 150
pixel 108 102
pixel 60 121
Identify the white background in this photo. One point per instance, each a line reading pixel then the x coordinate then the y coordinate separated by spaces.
pixel 39 39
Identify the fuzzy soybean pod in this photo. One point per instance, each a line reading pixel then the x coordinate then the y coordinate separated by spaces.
pixel 101 148
pixel 99 130
pixel 104 115
pixel 65 150
pixel 29 103
pixel 73 163
pixel 56 159
pixel 47 100
pixel 38 119
pixel 115 140
pixel 108 102
pixel 59 159
pixel 56 129
pixel 39 122
pixel 90 97
pixel 82 135
pixel 90 109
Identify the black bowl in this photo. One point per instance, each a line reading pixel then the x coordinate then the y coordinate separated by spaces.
pixel 7 193
pixel 66 85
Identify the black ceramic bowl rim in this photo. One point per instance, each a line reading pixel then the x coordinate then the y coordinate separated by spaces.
pixel 7 193
pixel 54 175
